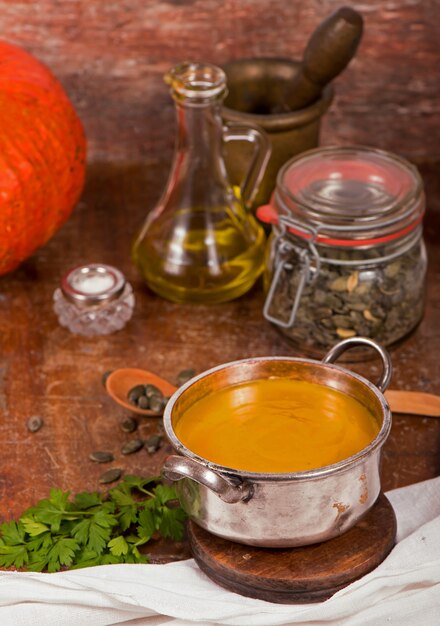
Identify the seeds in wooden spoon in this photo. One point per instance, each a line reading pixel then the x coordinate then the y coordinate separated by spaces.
pixel 157 403
pixel 136 392
pixel 152 390
pixel 143 403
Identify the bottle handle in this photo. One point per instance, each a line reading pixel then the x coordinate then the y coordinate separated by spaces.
pixel 259 160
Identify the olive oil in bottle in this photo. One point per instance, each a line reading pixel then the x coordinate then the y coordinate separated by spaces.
pixel 200 244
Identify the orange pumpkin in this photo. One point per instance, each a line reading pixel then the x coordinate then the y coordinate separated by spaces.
pixel 42 156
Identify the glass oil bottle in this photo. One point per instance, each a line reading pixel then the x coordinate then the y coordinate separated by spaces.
pixel 201 244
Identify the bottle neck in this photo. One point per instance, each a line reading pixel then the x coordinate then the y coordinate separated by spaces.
pixel 200 129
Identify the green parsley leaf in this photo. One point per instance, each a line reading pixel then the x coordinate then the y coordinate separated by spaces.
pixel 61 532
pixel 12 533
pixel 140 482
pixel 171 523
pixel 32 527
pixel 16 555
pixel 118 546
pixel 147 524
pixel 164 493
pixel 86 500
pixel 61 553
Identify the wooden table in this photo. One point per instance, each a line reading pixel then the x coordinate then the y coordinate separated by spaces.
pixel 47 371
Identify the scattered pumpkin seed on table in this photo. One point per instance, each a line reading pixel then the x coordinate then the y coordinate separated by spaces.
pixel 34 423
pixel 132 446
pixel 110 476
pixel 101 456
pixel 153 443
pixel 129 425
pixel 184 376
pixel 105 376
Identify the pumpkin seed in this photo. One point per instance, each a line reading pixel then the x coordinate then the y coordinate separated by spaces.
pixel 110 476
pixel 339 284
pixel 345 333
pixel 342 321
pixel 135 393
pixel 132 446
pixel 352 281
pixel 184 376
pixel 129 425
pixel 392 270
pixel 369 316
pixel 105 376
pixel 152 390
pixel 34 423
pixel 143 402
pixel 157 403
pixel 101 457
pixel 153 443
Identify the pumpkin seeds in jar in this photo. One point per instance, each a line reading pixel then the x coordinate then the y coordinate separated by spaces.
pixel 347 236
pixel 379 299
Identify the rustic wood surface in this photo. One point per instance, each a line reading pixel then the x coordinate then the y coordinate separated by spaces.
pixel 298 575
pixel 47 371
pixel 111 57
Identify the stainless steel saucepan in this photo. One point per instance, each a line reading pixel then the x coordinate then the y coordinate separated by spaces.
pixel 274 509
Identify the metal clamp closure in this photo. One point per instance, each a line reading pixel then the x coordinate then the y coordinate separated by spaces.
pixel 308 265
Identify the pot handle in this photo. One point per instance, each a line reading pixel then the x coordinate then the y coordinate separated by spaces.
pixel 351 342
pixel 178 467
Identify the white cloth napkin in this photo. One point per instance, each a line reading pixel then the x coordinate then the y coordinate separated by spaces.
pixel 404 590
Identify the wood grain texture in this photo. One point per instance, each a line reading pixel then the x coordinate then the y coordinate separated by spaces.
pixel 111 57
pixel 298 575
pixel 47 371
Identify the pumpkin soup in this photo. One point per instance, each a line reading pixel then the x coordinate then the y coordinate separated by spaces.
pixel 276 425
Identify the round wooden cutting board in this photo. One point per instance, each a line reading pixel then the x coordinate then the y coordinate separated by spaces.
pixel 297 575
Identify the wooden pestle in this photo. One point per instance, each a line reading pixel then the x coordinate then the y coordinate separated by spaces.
pixel 329 50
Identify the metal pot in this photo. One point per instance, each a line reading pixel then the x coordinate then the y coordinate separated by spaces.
pixel 280 510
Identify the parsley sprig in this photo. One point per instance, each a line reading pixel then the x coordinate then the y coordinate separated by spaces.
pixel 91 528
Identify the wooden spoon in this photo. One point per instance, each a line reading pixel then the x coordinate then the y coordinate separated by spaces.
pixel 120 381
pixel 413 402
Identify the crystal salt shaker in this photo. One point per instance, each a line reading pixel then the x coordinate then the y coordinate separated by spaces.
pixel 94 299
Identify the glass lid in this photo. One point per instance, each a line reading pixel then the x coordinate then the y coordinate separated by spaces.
pixel 348 196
